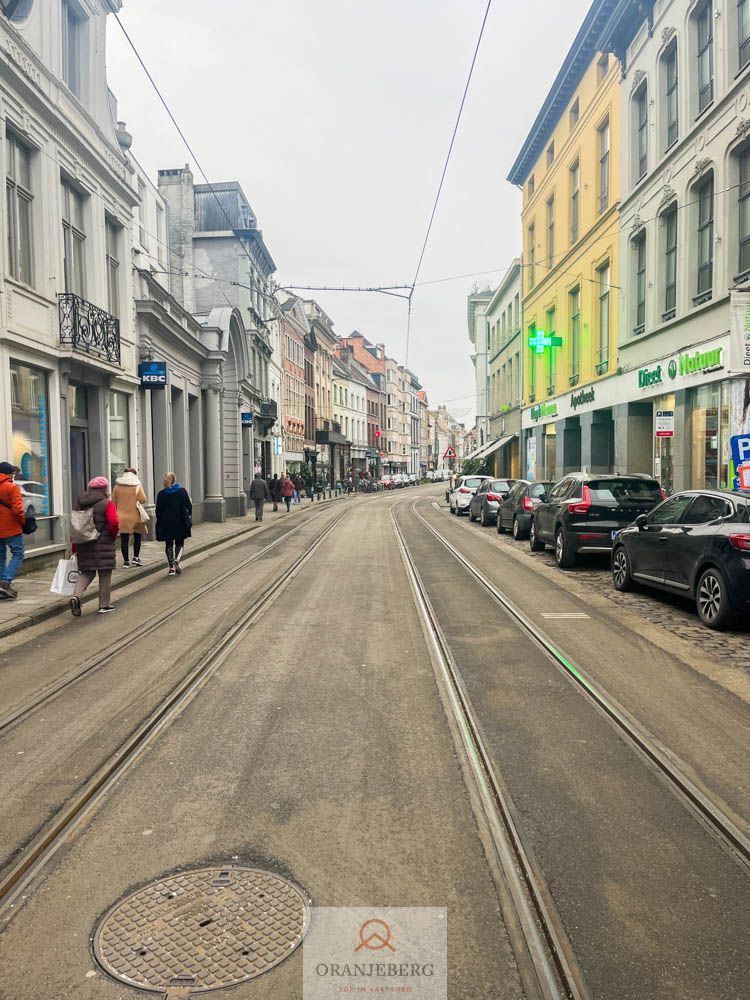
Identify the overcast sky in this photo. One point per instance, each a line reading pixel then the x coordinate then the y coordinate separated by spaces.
pixel 335 117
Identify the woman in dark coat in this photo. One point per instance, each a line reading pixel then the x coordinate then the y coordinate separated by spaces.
pixel 174 518
pixel 97 557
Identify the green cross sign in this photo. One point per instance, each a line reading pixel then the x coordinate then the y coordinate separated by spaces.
pixel 540 341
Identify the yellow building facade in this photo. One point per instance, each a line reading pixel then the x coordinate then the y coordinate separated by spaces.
pixel 568 171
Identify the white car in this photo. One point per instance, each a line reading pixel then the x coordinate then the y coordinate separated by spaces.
pixel 33 495
pixel 466 487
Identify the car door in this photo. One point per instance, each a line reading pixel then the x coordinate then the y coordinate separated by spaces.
pixel 477 501
pixel 546 513
pixel 697 527
pixel 509 505
pixel 647 547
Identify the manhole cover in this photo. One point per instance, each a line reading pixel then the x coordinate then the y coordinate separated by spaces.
pixel 202 930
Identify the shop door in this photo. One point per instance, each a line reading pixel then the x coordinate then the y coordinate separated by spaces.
pixel 664 446
pixel 79 461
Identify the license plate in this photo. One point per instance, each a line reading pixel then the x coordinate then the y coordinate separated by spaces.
pixel 615 534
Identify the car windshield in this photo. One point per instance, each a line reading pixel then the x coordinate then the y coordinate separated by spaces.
pixel 538 488
pixel 625 490
pixel 473 482
pixel 500 486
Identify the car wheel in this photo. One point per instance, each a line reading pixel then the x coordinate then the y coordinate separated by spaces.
pixel 517 533
pixel 621 575
pixel 563 556
pixel 712 600
pixel 535 544
pixel 484 520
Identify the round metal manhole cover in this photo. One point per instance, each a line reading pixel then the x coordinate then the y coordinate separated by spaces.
pixel 202 930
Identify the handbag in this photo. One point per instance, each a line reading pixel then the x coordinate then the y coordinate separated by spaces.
pixel 82 527
pixel 29 524
pixel 66 577
pixel 142 512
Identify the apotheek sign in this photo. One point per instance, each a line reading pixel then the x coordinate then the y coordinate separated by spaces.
pixel 581 398
pixel 690 363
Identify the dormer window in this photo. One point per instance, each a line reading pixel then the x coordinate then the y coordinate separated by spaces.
pixel 17 10
pixel 72 48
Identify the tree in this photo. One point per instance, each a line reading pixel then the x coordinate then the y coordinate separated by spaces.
pixel 475 467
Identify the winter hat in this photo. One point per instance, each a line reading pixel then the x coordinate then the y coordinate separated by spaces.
pixel 6 469
pixel 99 483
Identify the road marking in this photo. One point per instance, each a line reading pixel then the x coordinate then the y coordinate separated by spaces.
pixel 567 614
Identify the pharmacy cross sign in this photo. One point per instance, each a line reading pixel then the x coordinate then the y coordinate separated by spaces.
pixel 540 340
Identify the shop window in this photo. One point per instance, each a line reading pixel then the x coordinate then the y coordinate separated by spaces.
pixel 551 232
pixel 704 195
pixel 30 429
pixel 119 435
pixel 550 452
pixel 743 14
pixel 670 263
pixel 74 240
pixel 639 258
pixel 671 98
pixel 744 212
pixel 574 299
pixel 20 201
pixel 640 119
pixel 575 201
pixel 603 279
pixel 603 142
pixel 710 436
pixel 704 31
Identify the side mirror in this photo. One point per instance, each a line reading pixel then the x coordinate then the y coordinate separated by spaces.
pixel 640 521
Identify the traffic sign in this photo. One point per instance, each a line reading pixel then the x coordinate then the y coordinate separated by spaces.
pixel 449 452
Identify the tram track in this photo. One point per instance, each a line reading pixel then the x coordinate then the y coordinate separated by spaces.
pixel 547 959
pixel 47 694
pixel 74 813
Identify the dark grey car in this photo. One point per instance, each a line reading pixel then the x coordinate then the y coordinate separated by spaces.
pixel 486 500
pixel 514 513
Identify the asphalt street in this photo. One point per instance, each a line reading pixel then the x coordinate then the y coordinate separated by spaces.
pixel 321 749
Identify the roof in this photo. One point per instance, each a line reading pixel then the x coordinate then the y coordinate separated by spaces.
pixel 582 51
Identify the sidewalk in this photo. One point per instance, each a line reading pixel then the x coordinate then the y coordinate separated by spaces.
pixel 35 603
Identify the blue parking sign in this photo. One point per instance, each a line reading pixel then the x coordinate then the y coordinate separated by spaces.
pixel 740 445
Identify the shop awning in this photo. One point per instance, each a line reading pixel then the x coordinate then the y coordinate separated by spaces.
pixel 493 446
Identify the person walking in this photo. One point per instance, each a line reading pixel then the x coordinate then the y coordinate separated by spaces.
pixel 126 496
pixel 12 520
pixel 174 520
pixel 287 489
pixel 274 488
pixel 258 492
pixel 96 558
pixel 298 487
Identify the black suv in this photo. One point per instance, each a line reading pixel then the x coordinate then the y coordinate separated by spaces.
pixel 584 512
pixel 696 544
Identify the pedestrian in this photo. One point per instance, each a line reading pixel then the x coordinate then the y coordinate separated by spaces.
pixel 127 495
pixel 259 494
pixel 174 520
pixel 274 488
pixel 298 487
pixel 287 489
pixel 12 520
pixel 96 558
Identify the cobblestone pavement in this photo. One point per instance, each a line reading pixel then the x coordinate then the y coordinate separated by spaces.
pixel 591 576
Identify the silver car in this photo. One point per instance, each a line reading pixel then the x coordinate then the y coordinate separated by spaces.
pixel 466 487
pixel 486 501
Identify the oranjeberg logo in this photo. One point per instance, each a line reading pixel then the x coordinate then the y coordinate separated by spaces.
pixel 375 935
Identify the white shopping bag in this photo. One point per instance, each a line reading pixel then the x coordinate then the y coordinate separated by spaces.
pixel 66 577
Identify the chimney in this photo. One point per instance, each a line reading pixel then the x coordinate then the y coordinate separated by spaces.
pixel 177 189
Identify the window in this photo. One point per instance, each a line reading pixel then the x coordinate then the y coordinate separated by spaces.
pixel 550 154
pixel 575 335
pixel 551 352
pixel 531 185
pixel 119 434
pixel 31 442
pixel 670 263
pixel 551 232
pixel 707 508
pixel 604 166
pixel 113 268
pixel 575 201
pixel 672 104
pixel 575 114
pixel 671 511
pixel 705 26
pixel 74 240
pixel 743 12
pixel 744 210
pixel 71 46
pixel 639 247
pixel 602 66
pixel 641 119
pixel 602 275
pixel 142 233
pixel 19 204
pixel 161 235
pixel 532 240
pixel 705 198
pixel 532 363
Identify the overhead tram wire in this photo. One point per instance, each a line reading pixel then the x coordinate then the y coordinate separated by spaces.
pixel 443 175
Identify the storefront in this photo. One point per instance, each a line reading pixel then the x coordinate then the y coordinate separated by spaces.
pixel 30 448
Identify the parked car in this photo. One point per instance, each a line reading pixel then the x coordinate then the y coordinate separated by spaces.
pixel 696 544
pixel 34 497
pixel 413 479
pixel 387 482
pixel 515 510
pixel 483 505
pixel 429 476
pixel 400 480
pixel 584 512
pixel 466 486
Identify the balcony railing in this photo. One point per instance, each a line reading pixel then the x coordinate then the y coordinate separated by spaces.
pixel 269 408
pixel 88 328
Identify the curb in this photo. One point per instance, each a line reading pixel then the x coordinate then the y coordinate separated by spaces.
pixel 27 620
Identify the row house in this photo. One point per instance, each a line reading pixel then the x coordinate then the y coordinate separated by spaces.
pixel 294 329
pixel 370 358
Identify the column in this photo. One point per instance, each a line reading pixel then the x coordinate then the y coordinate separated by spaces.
pixel 215 506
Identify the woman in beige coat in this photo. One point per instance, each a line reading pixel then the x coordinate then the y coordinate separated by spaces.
pixel 127 494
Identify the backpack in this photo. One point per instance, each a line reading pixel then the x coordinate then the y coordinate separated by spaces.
pixel 29 524
pixel 82 526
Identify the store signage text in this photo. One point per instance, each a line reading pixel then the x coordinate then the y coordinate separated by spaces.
pixel 686 364
pixel 543 410
pixel 649 376
pixel 153 374
pixel 247 419
pixel 582 397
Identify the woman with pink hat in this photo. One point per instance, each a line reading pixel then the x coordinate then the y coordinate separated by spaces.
pixel 97 556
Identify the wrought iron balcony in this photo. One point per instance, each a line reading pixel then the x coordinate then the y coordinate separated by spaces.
pixel 269 408
pixel 88 328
